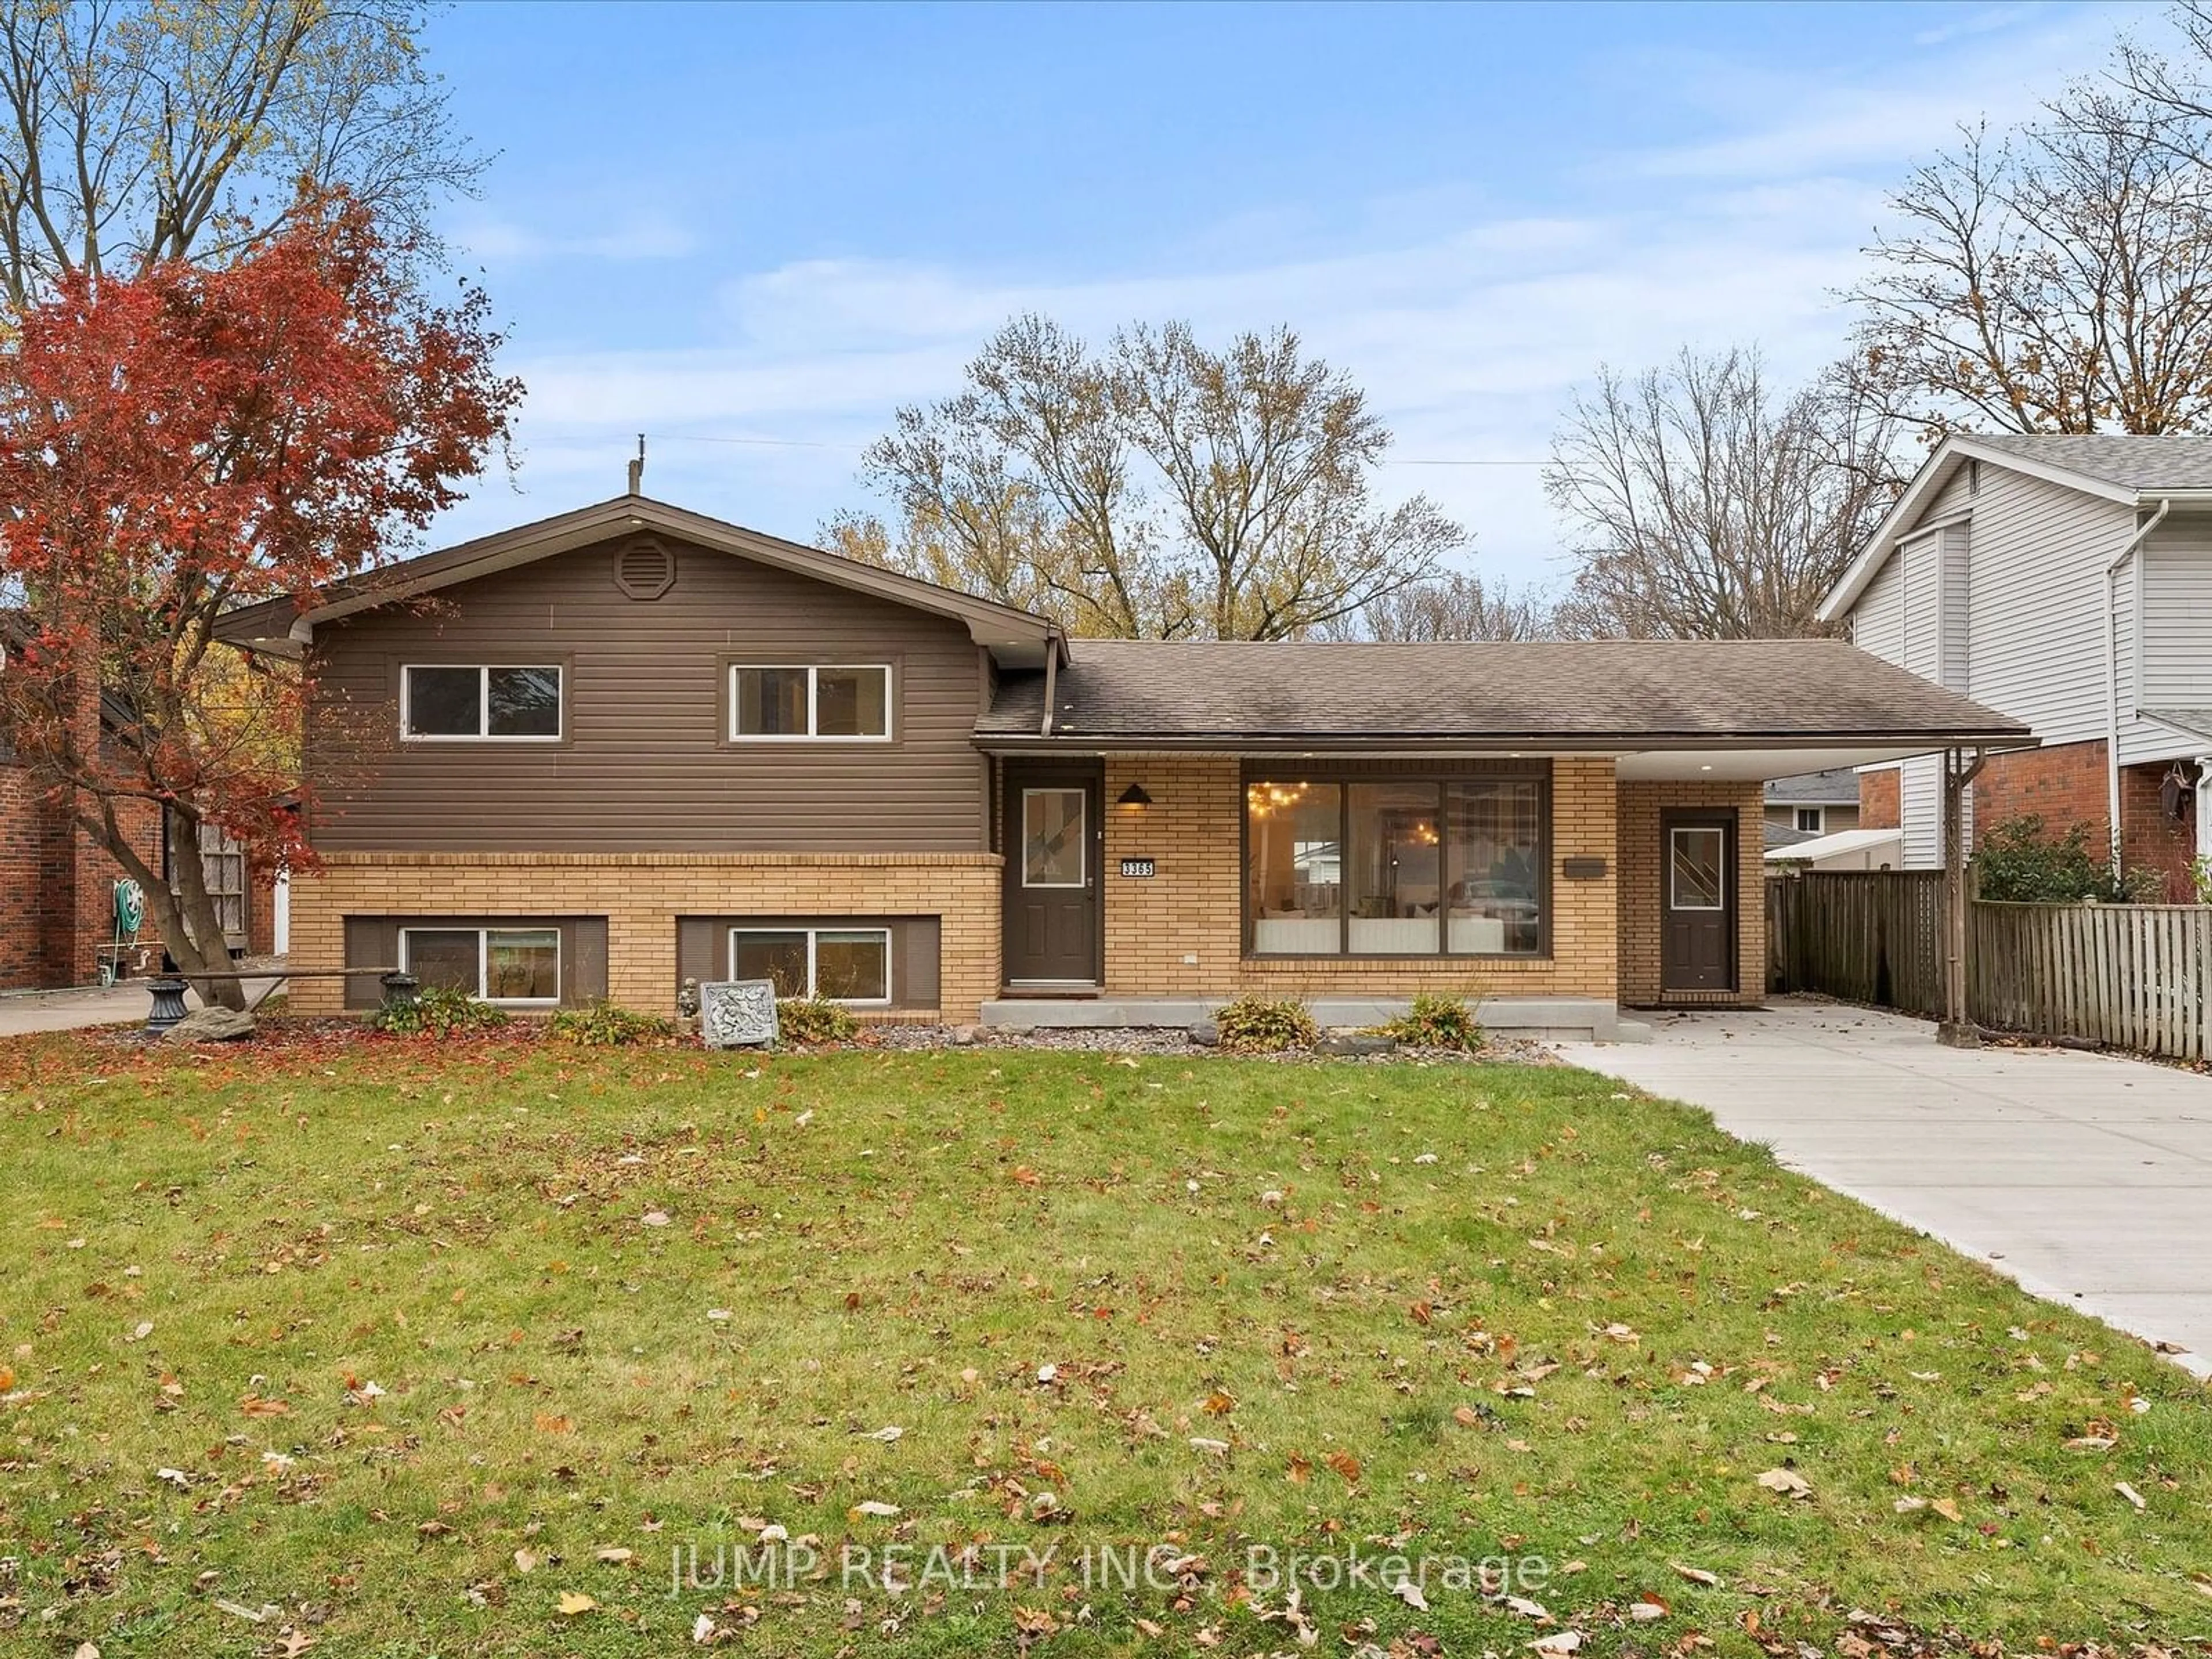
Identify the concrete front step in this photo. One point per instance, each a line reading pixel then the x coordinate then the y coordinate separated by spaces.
pixel 1581 1019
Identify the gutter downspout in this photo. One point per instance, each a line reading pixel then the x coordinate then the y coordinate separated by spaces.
pixel 2128 550
pixel 1051 680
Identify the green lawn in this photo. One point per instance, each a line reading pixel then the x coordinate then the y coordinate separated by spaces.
pixel 403 1348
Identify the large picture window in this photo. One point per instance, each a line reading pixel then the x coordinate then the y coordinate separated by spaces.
pixel 817 701
pixel 1396 866
pixel 442 702
pixel 839 964
pixel 517 965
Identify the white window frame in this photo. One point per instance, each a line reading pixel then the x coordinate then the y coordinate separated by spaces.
pixel 1082 840
pixel 811 933
pixel 483 962
pixel 1820 824
pixel 811 734
pixel 483 733
pixel 1674 832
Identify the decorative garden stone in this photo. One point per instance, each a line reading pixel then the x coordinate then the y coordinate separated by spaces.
pixel 737 1013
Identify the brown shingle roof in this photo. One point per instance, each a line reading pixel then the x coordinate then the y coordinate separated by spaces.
pixel 1654 691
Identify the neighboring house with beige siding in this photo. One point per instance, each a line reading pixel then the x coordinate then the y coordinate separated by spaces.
pixel 2066 581
pixel 601 755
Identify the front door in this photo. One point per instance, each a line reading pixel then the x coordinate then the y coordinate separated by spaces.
pixel 1697 901
pixel 1054 839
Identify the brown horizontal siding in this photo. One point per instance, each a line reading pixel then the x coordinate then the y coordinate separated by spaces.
pixel 643 763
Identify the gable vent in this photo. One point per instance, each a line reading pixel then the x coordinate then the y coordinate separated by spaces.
pixel 644 570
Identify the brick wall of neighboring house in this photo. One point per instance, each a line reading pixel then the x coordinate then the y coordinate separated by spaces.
pixel 1193 905
pixel 641 894
pixel 2149 840
pixel 2065 785
pixel 1641 804
pixel 57 888
pixel 1879 807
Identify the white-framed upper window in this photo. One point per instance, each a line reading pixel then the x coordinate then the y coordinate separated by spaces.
pixel 838 964
pixel 847 703
pixel 519 967
pixel 454 702
pixel 1812 819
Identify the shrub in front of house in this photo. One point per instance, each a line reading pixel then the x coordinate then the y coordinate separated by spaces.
pixel 1437 1022
pixel 2020 861
pixel 603 1025
pixel 1264 1025
pixel 812 1019
pixel 437 1013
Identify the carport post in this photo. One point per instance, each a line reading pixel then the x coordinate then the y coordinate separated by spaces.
pixel 1956 1028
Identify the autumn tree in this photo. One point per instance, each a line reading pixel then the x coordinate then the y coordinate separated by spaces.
pixel 1701 501
pixel 1159 487
pixel 179 442
pixel 2057 276
pixel 1452 604
pixel 137 132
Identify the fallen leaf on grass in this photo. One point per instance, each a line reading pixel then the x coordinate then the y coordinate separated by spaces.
pixel 1647 1607
pixel 525 1560
pixel 1946 1508
pixel 655 1217
pixel 872 1506
pixel 613 1554
pixel 1698 1575
pixel 1786 1481
pixel 255 1406
pixel 1346 1465
pixel 1527 1609
pixel 887 1434
pixel 1561 1641
pixel 1410 1593
pixel 2130 1493
pixel 1213 1448
pixel 573 1602
pixel 703 1630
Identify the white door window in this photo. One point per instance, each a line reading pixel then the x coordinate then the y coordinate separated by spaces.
pixel 1053 851
pixel 1696 858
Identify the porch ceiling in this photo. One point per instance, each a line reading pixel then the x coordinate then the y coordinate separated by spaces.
pixel 1756 765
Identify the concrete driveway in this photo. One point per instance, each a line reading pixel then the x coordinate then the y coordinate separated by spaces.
pixel 2085 1177
pixel 22 1012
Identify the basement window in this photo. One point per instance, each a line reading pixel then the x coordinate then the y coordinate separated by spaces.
pixel 516 966
pixel 838 964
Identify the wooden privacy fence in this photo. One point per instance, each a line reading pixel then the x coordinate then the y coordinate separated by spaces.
pixel 1865 935
pixel 2132 976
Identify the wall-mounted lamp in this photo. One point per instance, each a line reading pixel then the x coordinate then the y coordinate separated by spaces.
pixel 1134 795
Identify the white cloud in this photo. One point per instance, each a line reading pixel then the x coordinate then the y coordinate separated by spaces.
pixel 648 236
pixel 1469 327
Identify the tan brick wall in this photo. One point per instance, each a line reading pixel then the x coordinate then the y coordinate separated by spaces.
pixel 1641 804
pixel 1193 905
pixel 641 894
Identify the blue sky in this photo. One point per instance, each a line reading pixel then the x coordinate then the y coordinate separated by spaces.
pixel 776 224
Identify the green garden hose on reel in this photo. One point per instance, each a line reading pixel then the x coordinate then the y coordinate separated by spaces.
pixel 130 917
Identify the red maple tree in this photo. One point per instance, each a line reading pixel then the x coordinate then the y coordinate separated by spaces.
pixel 188 440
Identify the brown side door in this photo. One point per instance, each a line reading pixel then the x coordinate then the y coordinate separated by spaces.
pixel 1698 902
pixel 1054 838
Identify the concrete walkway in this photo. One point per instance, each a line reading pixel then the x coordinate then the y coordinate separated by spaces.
pixel 2085 1177
pixel 22 1012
